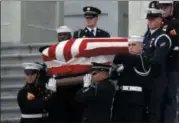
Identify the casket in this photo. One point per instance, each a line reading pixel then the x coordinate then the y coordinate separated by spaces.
pixel 75 56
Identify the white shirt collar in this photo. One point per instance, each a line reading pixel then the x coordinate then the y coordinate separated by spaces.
pixel 152 31
pixel 94 29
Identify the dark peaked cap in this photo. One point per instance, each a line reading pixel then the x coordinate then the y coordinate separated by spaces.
pixel 154 10
pixel 91 11
pixel 100 67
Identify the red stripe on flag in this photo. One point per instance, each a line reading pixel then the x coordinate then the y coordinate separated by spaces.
pixel 46 58
pixel 82 47
pixel 52 50
pixel 69 70
pixel 67 50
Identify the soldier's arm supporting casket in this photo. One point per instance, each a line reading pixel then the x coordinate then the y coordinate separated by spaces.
pixel 70 81
pixel 65 81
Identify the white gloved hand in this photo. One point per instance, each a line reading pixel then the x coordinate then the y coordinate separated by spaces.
pixel 87 80
pixel 51 85
pixel 120 68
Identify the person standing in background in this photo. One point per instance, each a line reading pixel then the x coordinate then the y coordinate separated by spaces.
pixel 91 30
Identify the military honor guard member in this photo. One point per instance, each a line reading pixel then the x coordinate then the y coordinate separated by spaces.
pixel 156 47
pixel 33 99
pixel 97 95
pixel 91 30
pixel 171 27
pixel 64 33
pixel 129 99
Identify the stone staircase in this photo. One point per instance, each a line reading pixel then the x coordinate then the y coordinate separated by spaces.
pixel 12 78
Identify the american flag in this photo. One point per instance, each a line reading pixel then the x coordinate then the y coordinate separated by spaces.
pixel 75 56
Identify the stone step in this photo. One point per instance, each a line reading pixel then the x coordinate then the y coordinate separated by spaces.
pixel 14 81
pixel 22 48
pixel 7 101
pixel 10 90
pixel 10 120
pixel 20 58
pixel 12 112
pixel 11 69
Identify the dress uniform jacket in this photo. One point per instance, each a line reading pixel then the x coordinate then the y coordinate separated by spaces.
pixel 81 33
pixel 156 49
pixel 129 100
pixel 34 103
pixel 171 27
pixel 97 100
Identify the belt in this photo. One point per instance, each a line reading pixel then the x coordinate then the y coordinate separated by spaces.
pixel 34 115
pixel 131 88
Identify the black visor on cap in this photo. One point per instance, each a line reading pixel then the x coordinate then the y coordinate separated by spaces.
pixel 100 69
pixel 90 15
pixel 153 15
pixel 30 71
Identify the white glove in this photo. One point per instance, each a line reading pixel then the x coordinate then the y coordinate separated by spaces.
pixel 120 68
pixel 51 85
pixel 87 80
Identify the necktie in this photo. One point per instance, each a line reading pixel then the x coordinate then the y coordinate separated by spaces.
pixel 92 32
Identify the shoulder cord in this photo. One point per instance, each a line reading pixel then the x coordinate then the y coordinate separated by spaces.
pixel 146 72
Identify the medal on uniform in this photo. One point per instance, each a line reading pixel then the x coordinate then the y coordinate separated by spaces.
pixel 165 27
pixel 30 96
pixel 151 42
pixel 173 32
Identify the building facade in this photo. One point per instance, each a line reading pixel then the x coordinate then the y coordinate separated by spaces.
pixel 35 21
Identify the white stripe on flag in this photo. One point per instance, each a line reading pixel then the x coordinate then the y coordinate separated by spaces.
pixel 93 45
pixel 81 61
pixel 45 52
pixel 75 47
pixel 54 63
pixel 60 50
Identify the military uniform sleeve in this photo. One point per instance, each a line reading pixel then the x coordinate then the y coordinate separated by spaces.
pixel 107 34
pixel 126 58
pixel 86 94
pixel 75 35
pixel 42 48
pixel 162 46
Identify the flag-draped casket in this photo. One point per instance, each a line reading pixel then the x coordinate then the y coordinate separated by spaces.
pixel 76 55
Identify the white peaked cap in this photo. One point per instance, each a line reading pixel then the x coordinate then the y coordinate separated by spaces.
pixel 165 2
pixel 62 29
pixel 31 66
pixel 154 11
pixel 135 38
